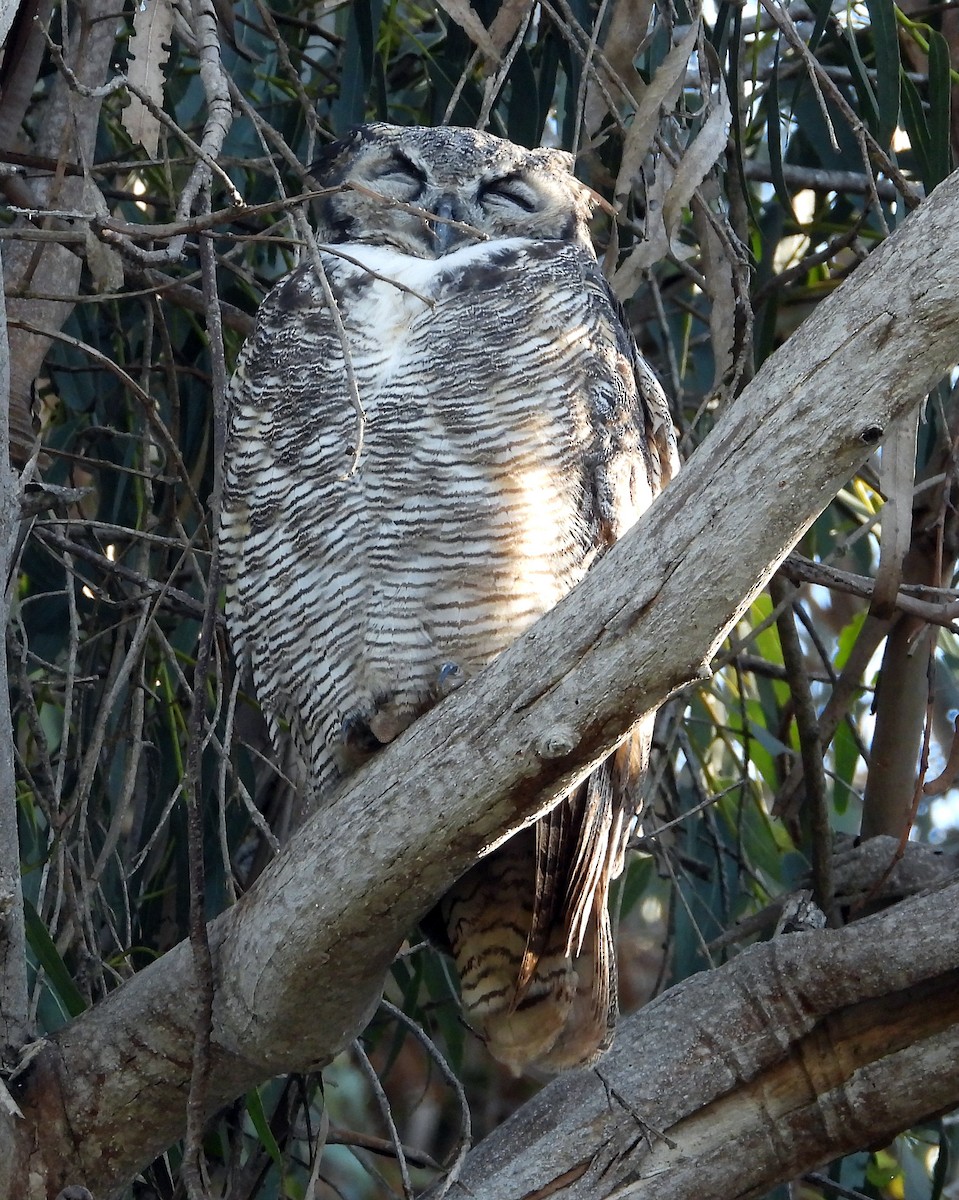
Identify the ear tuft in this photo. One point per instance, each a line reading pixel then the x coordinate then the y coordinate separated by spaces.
pixel 331 157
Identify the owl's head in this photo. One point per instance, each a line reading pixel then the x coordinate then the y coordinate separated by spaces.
pixel 497 188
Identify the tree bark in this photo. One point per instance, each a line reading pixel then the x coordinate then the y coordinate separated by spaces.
pixel 299 961
pixel 67 133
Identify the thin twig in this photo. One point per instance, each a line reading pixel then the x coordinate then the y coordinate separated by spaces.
pixel 871 150
pixel 803 570
pixel 466 1128
pixel 333 308
pixel 810 746
pixel 199 937
pixel 387 1114
pixel 494 85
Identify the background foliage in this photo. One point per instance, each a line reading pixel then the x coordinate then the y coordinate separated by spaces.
pixel 748 157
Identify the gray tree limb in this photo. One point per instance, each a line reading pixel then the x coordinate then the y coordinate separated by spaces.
pixel 299 961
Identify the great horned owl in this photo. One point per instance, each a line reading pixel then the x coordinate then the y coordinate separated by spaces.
pixel 512 433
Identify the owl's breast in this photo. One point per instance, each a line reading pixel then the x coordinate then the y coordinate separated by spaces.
pixel 487 399
pixel 470 503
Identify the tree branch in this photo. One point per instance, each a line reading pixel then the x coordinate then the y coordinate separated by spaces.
pixel 299 961
pixel 13 966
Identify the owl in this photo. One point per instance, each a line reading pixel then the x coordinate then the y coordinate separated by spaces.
pixel 434 433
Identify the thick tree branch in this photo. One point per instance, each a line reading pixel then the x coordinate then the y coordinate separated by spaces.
pixel 300 960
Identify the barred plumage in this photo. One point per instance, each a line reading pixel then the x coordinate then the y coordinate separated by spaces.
pixel 511 434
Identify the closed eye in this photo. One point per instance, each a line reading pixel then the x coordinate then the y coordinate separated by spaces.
pixel 513 190
pixel 402 168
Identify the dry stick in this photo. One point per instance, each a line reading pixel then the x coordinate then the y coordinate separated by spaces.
pixel 14 1003
pixel 268 134
pixel 803 570
pixel 320 271
pixel 466 1130
pixel 579 34
pixel 810 745
pixel 119 82
pixel 460 84
pixel 316 1151
pixel 199 941
pixel 199 937
pixel 219 116
pixel 576 47
pixel 291 73
pixel 584 79
pixel 937 573
pixel 145 399
pixel 817 180
pixel 798 272
pixel 494 85
pixel 201 222
pixel 169 596
pixel 387 1114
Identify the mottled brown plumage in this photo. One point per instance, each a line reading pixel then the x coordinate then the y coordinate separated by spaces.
pixel 512 433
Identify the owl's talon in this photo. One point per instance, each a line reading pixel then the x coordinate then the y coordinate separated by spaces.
pixel 356 734
pixel 450 677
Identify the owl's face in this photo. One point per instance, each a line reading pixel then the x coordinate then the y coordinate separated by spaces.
pixel 498 189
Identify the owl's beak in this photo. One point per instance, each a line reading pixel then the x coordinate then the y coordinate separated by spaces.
pixel 446 236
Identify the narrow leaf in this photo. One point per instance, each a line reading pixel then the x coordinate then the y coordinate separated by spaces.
pixel 662 92
pixel 149 51
pixel 940 109
pixel 774 138
pixel 864 90
pixel 914 120
pixel 885 33
pixel 698 161
pixel 465 16
pixel 49 958
pixel 254 1107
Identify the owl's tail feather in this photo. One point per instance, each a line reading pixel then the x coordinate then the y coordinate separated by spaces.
pixel 588 1029
pixel 565 1013
pixel 530 930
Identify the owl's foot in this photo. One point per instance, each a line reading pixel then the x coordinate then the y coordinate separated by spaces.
pixel 368 727
pixel 450 677
pixel 355 733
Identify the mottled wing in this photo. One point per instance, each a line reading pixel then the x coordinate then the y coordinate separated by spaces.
pixel 279 474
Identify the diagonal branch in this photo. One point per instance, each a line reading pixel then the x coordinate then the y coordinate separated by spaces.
pixel 299 961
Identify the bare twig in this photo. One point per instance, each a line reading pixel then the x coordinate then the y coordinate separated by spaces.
pixel 466 1132
pixel 387 1114
pixel 333 308
pixel 855 182
pixel 13 964
pixel 908 598
pixel 810 746
pixel 823 85
pixel 199 938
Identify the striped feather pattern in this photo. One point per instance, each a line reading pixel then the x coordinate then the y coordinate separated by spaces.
pixel 511 433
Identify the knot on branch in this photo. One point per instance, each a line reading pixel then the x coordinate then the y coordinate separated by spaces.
pixel 557 742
